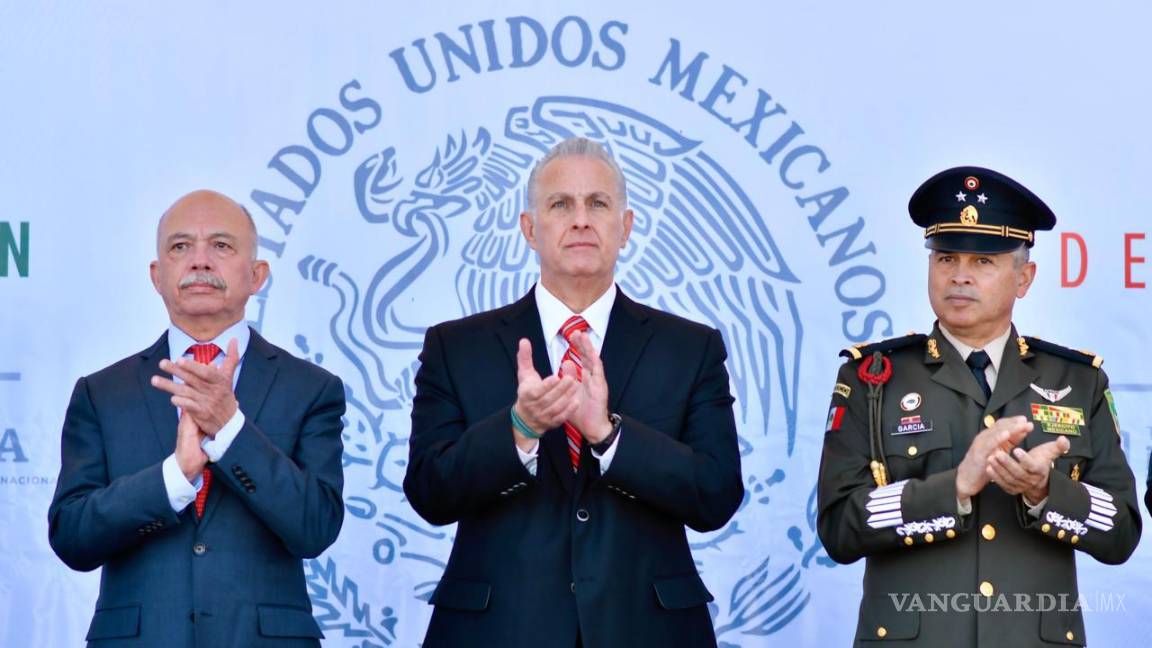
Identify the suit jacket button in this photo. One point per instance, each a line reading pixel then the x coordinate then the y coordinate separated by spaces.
pixel 582 515
pixel 199 548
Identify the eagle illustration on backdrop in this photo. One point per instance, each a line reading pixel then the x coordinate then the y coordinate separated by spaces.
pixel 699 248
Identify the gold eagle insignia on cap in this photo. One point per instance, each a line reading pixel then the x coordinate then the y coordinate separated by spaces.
pixel 969 215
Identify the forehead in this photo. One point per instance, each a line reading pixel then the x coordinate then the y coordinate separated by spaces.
pixel 204 217
pixel 577 174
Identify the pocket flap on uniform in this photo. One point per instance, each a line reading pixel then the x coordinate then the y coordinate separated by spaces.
pixel 470 596
pixel 115 623
pixel 681 592
pixel 880 620
pixel 281 621
pixel 1062 627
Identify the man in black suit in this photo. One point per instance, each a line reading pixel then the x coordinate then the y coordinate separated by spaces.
pixel 572 436
pixel 200 493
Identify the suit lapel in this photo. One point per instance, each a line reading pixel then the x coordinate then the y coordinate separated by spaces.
pixel 161 411
pixel 257 373
pixel 1014 376
pixel 624 342
pixel 522 320
pixel 628 333
pixel 953 373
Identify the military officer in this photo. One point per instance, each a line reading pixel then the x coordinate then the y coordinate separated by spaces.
pixel 968 465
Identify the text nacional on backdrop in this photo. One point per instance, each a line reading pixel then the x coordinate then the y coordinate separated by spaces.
pixel 443 221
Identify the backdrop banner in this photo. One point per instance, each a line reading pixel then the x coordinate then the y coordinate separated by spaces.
pixel 383 149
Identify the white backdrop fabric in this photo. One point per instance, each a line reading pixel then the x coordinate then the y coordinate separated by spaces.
pixel 382 148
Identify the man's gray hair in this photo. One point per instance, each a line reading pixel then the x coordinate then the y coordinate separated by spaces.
pixel 1021 256
pixel 578 147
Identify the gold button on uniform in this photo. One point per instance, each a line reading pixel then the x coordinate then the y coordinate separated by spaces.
pixel 989 421
pixel 1069 636
pixel 951 533
pixel 883 632
pixel 929 538
pixel 1075 539
pixel 1046 528
pixel 912 451
pixel 1060 534
pixel 988 531
pixel 986 589
pixel 908 541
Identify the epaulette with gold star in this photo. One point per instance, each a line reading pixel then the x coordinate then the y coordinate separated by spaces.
pixel 1085 357
pixel 858 351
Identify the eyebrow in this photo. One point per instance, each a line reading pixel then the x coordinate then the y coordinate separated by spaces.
pixel 603 195
pixel 182 236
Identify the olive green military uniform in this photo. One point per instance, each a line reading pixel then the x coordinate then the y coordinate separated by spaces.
pixel 997 576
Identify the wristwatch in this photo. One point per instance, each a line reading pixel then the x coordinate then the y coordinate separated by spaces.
pixel 602 447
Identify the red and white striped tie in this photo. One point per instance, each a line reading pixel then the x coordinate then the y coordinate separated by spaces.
pixel 204 354
pixel 575 439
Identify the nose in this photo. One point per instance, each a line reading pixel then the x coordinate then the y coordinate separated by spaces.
pixel 961 275
pixel 201 258
pixel 580 219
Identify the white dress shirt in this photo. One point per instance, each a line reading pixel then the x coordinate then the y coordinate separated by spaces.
pixel 553 314
pixel 181 492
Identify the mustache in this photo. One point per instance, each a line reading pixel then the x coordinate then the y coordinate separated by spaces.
pixel 203 278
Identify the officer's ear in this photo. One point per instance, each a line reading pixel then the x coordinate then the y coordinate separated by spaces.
pixel 1025 275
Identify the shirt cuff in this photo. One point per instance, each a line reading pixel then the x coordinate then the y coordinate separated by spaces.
pixel 963 508
pixel 529 458
pixel 181 493
pixel 215 447
pixel 1036 510
pixel 606 458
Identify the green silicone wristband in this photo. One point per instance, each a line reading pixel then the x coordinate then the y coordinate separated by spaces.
pixel 519 424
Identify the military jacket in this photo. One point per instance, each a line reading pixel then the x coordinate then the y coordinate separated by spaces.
pixel 998 576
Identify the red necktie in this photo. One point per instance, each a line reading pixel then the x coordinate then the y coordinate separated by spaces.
pixel 204 354
pixel 575 439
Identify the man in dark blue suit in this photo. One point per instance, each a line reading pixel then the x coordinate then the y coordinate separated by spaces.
pixel 572 436
pixel 198 478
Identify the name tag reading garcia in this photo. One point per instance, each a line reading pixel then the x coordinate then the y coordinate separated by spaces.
pixel 912 425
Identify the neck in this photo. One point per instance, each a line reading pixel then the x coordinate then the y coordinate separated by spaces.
pixel 204 330
pixel 979 338
pixel 577 294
